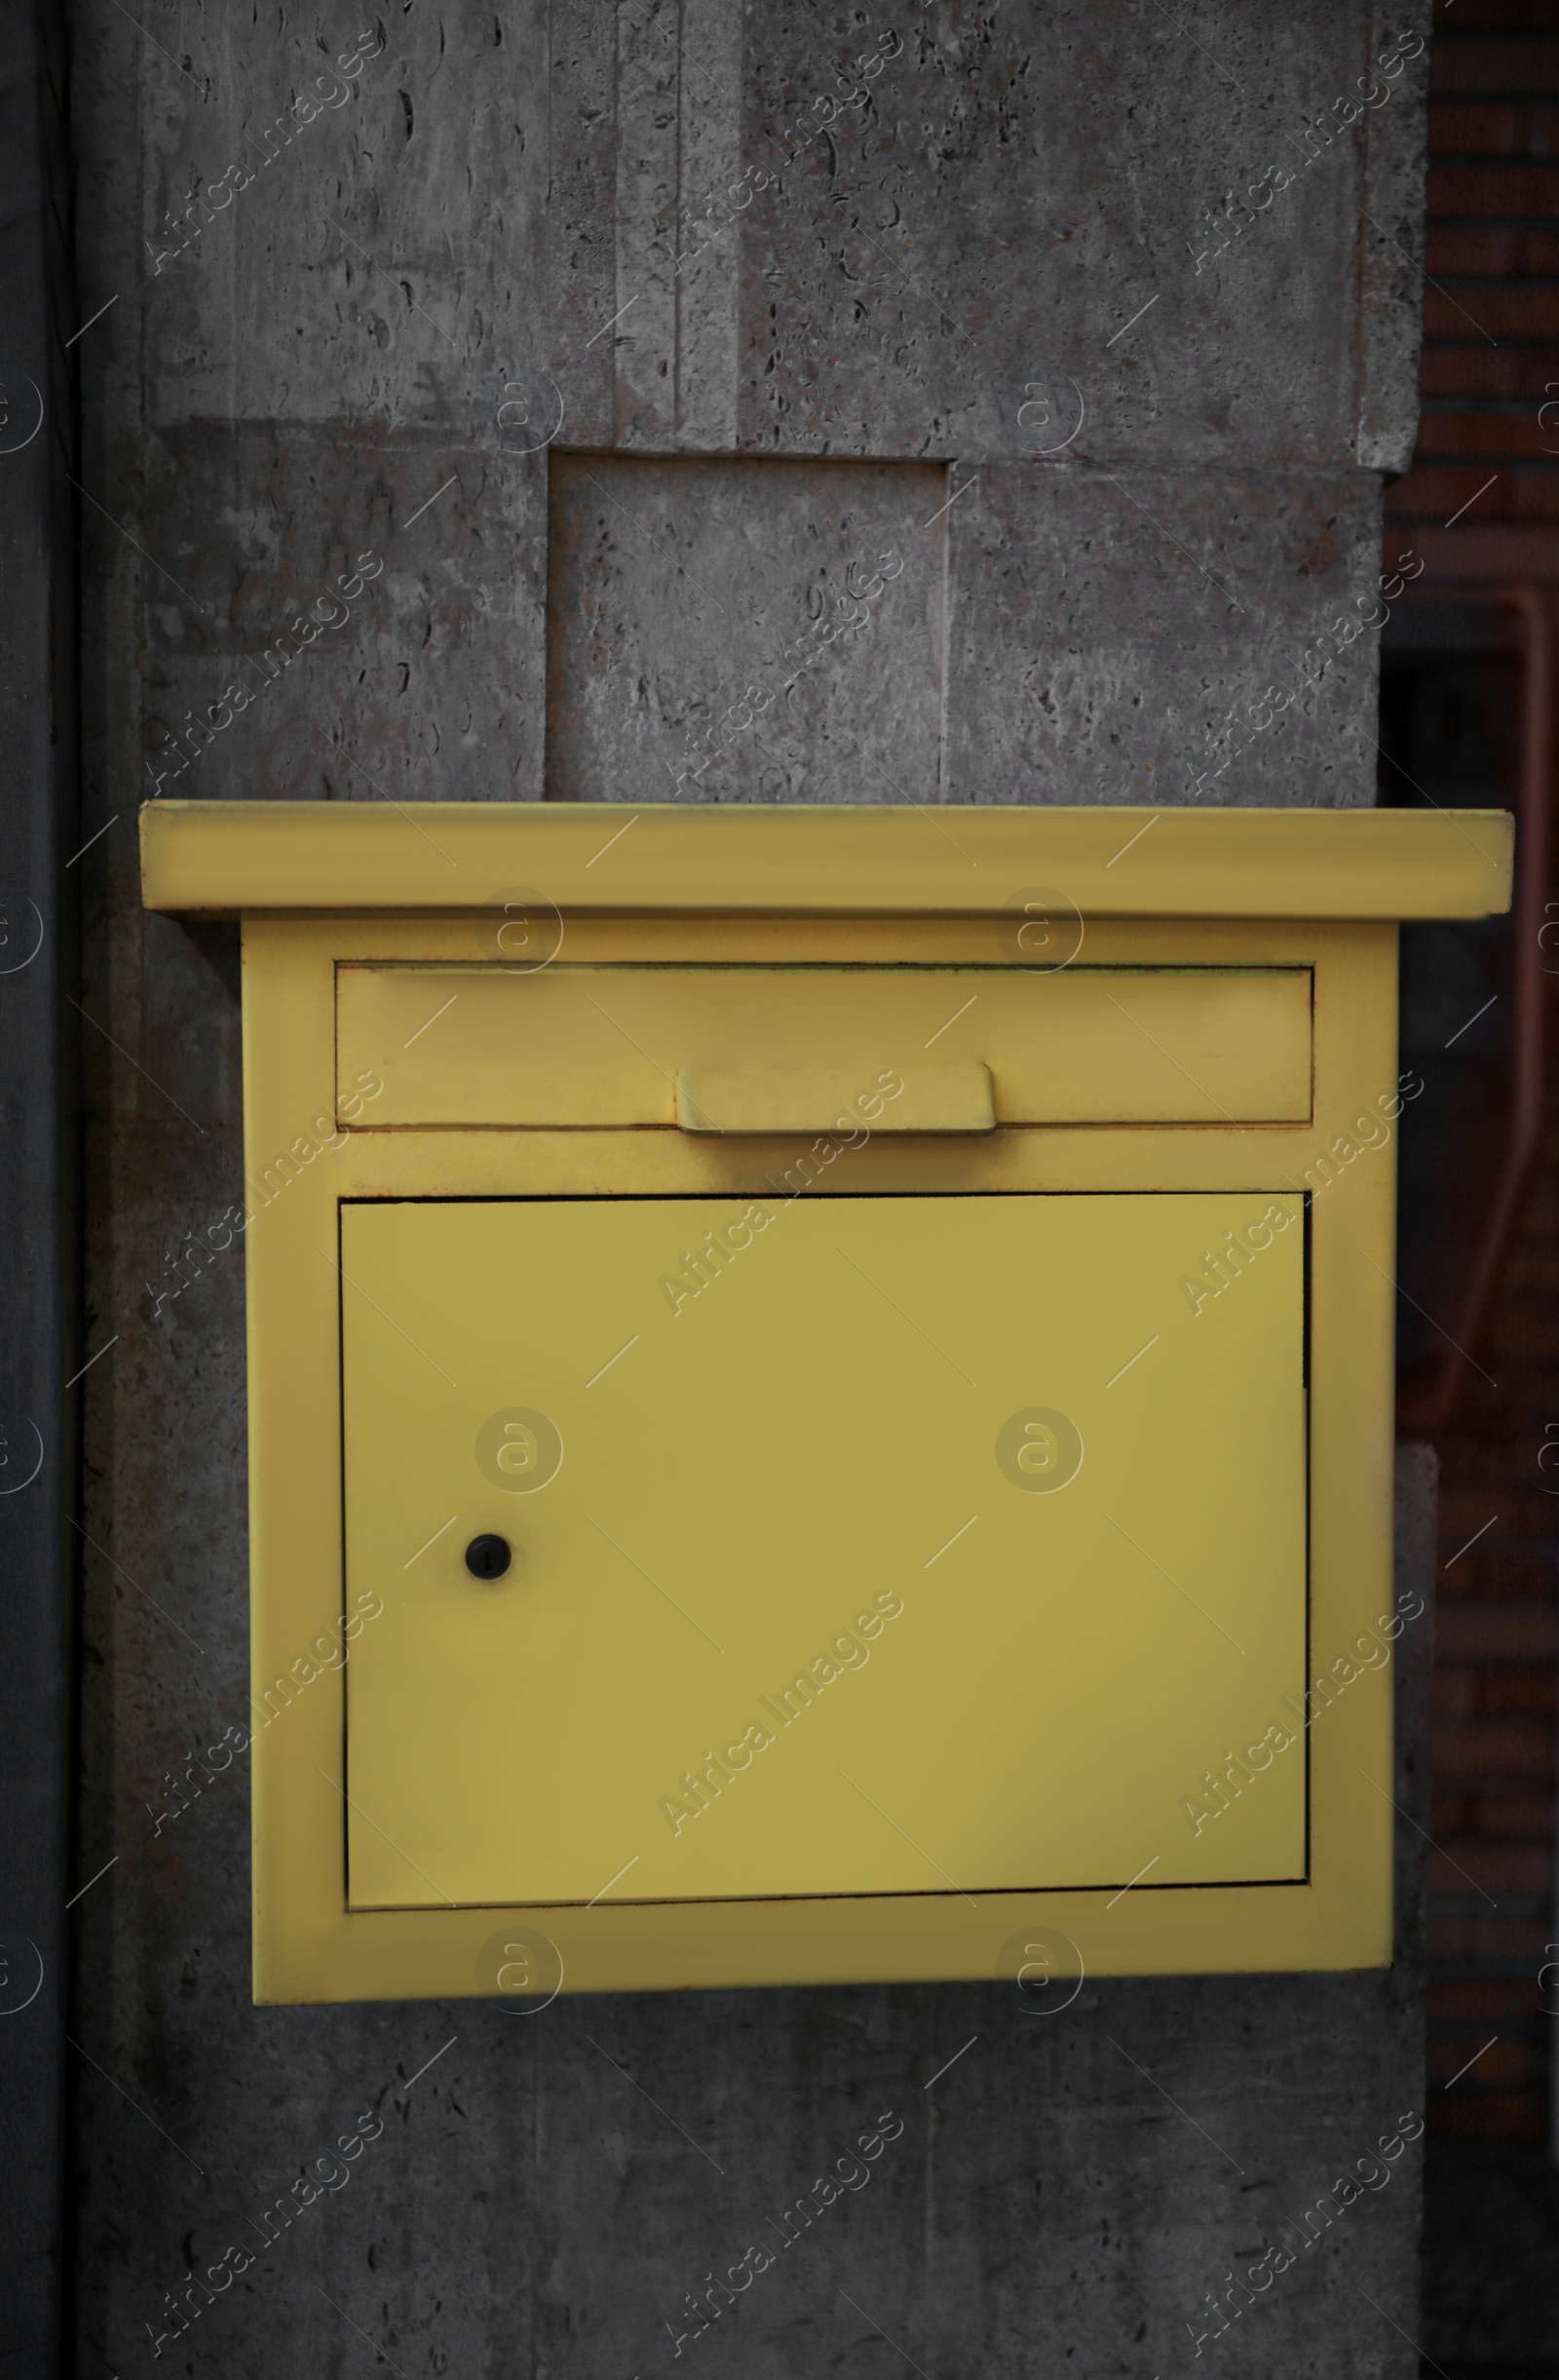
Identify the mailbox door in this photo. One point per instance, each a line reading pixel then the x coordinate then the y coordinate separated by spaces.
pixel 860 1545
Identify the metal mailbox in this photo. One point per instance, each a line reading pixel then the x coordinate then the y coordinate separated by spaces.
pixel 828 1374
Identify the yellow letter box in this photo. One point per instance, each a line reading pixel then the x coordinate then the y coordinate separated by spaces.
pixel 819 1385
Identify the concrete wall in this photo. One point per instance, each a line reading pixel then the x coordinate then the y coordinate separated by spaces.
pixel 456 325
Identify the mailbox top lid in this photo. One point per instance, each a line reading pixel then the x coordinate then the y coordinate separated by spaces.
pixel 235 858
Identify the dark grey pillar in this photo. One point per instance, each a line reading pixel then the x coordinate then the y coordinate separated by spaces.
pixel 39 1223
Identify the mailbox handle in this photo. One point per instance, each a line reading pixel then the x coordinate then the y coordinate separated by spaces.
pixel 834 1099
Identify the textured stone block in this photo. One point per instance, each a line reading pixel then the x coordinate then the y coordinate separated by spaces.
pixel 264 681
pixel 1138 636
pixel 775 229
pixel 743 631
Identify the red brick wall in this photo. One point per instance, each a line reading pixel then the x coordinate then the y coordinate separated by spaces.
pixel 1493 1820
pixel 1491 351
pixel 1492 326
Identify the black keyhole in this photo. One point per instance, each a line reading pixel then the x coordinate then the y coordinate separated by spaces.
pixel 488 1558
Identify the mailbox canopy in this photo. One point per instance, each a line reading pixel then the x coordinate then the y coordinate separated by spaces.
pixel 230 857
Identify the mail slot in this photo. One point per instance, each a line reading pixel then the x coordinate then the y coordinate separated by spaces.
pixel 607 1044
pixel 799 1431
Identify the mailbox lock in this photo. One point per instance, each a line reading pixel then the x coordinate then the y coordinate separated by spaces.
pixel 489 1557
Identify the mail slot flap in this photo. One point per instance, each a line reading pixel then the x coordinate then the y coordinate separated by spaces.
pixel 579 1045
pixel 827 1099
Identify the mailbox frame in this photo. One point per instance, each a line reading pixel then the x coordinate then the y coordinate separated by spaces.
pixel 318 885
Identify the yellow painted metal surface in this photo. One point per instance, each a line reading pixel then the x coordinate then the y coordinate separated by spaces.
pixel 573 1045
pixel 843 1562
pixel 814 1453
pixel 247 856
pixel 822 1100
